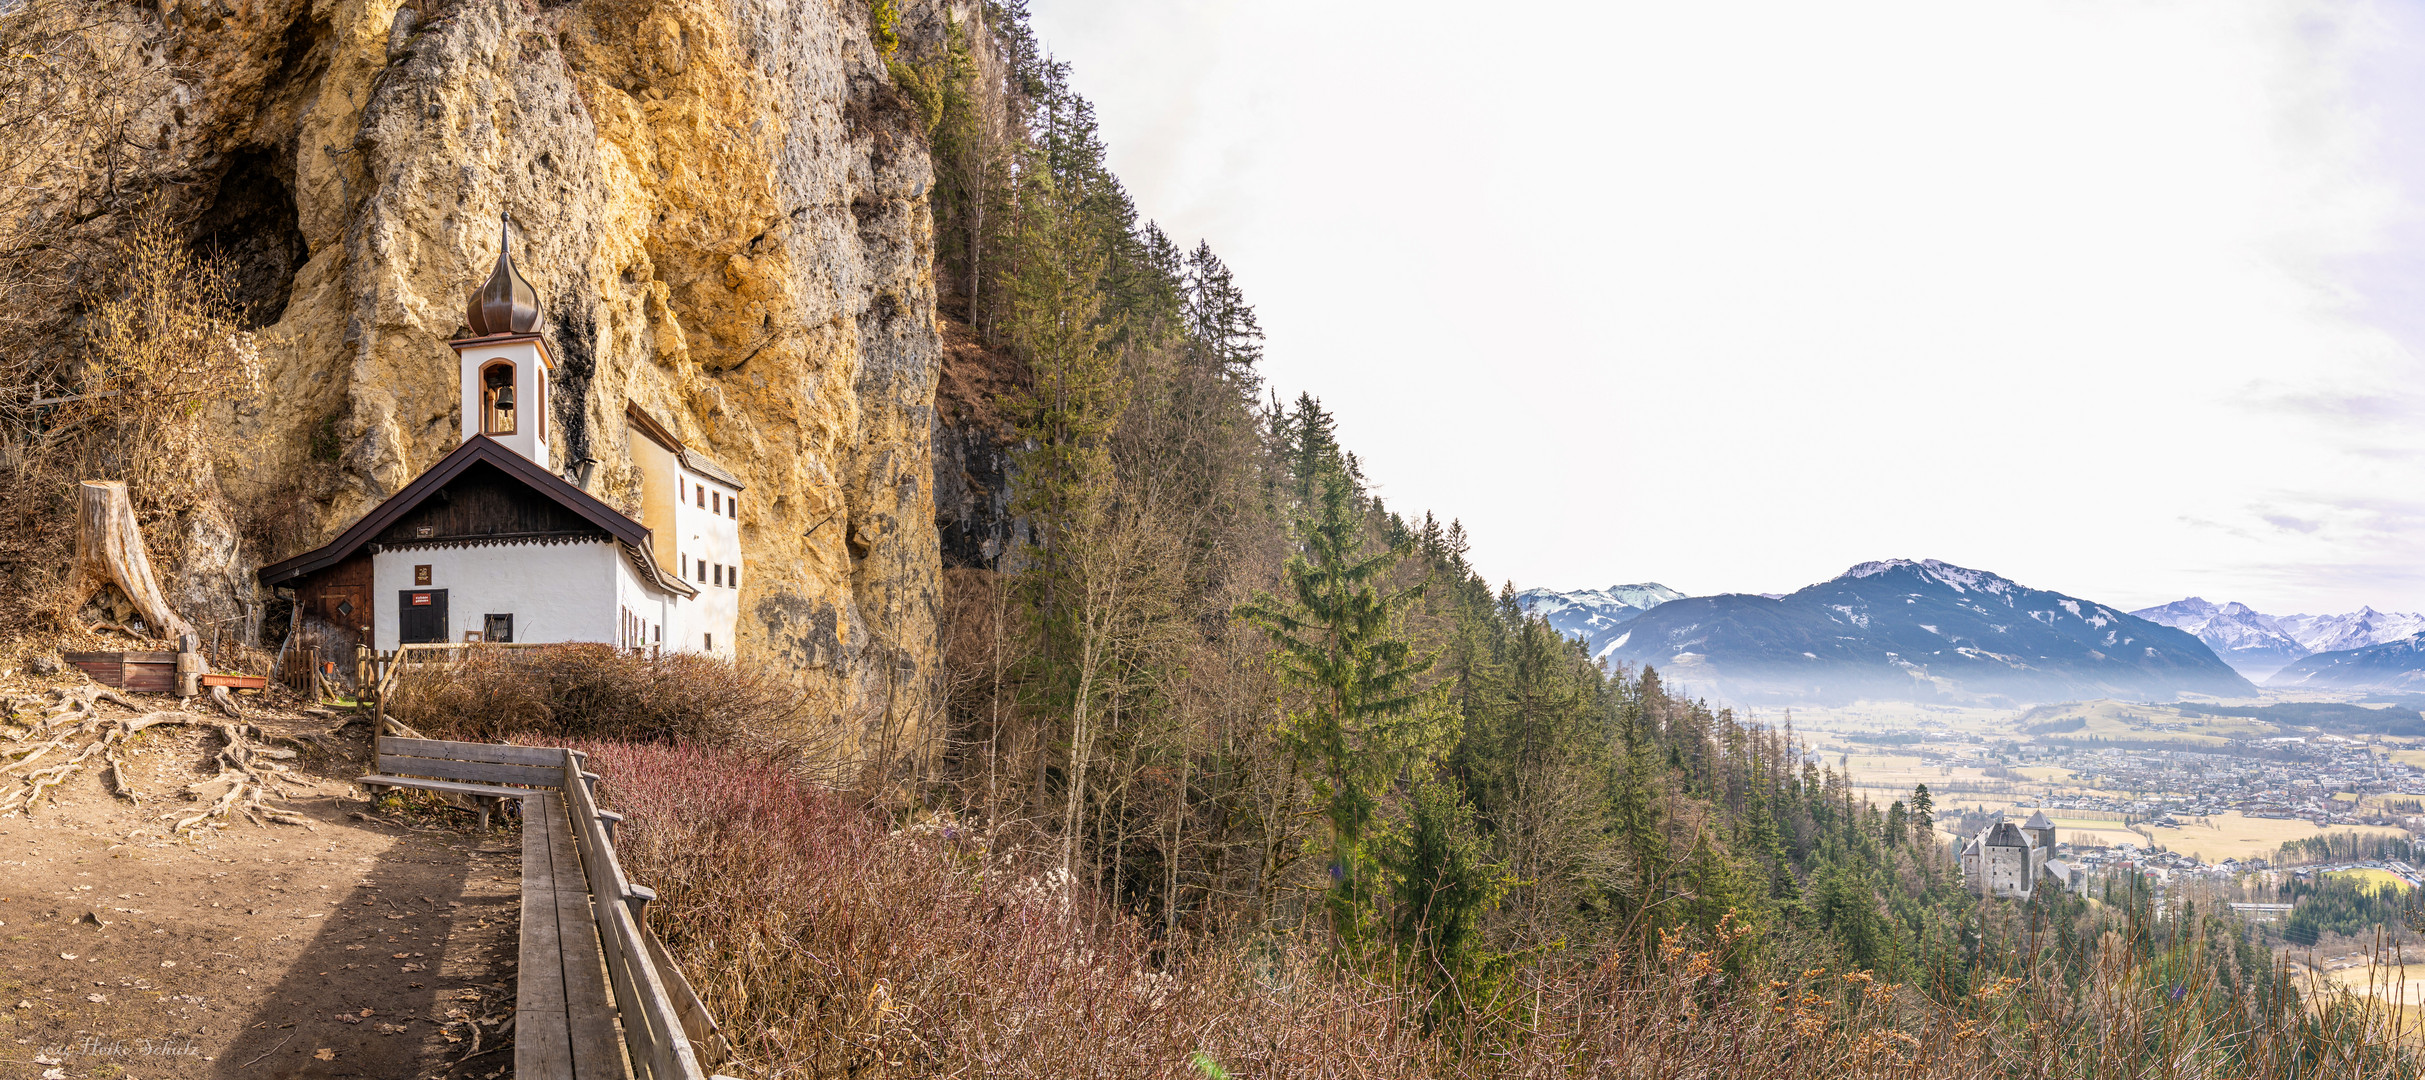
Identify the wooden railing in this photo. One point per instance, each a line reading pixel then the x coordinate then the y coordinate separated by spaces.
pixel 665 1027
pixel 384 667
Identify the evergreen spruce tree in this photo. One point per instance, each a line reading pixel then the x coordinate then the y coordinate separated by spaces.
pixel 1363 717
pixel 1441 884
pixel 1635 815
pixel 1711 889
pixel 1221 325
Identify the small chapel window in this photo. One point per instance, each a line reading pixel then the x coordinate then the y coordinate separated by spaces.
pixel 715 503
pixel 497 399
pixel 701 491
pixel 719 574
pixel 732 577
pixel 732 508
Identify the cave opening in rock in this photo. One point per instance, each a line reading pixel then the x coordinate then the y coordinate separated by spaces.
pixel 252 225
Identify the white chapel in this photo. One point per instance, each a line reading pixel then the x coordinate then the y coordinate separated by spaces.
pixel 491 544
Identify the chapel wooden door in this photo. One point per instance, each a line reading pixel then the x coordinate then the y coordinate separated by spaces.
pixel 421 615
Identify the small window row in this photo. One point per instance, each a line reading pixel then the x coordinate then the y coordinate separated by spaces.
pixel 709 499
pixel 719 574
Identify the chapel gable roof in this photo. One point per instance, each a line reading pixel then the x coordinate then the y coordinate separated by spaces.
pixel 2006 834
pixel 477 456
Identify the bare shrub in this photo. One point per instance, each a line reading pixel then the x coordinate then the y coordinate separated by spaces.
pixel 582 691
pixel 163 347
pixel 164 342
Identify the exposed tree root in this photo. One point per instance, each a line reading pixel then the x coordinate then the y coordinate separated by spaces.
pixel 248 767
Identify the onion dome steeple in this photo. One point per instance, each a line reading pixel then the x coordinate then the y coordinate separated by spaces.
pixel 506 304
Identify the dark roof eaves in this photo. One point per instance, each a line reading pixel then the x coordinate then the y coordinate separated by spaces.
pixel 709 469
pixel 675 585
pixel 476 448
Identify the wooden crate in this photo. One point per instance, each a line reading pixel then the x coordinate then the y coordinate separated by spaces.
pixel 142 672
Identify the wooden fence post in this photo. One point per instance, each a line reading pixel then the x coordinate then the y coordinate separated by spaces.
pixel 189 665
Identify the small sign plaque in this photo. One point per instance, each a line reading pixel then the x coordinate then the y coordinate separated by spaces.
pixel 421 574
pixel 420 599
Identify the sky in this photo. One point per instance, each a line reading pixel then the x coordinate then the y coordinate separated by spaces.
pixel 2120 299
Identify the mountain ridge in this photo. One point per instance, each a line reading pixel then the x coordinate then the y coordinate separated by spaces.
pixel 2266 647
pixel 1594 616
pixel 1917 628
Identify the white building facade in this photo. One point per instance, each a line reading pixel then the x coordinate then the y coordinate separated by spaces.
pixel 491 544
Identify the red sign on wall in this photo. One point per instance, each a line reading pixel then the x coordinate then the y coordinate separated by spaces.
pixel 420 599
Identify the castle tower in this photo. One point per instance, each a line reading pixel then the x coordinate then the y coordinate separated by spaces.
pixel 2041 831
pixel 505 363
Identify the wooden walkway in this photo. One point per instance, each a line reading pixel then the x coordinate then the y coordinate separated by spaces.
pixel 590 967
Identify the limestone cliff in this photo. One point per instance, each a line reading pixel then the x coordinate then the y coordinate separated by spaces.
pixel 723 206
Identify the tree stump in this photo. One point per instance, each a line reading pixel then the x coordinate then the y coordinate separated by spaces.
pixel 109 551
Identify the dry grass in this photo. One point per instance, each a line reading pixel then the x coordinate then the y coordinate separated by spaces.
pixel 2235 835
pixel 831 944
pixel 598 692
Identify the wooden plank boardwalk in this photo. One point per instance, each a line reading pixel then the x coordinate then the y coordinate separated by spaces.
pixel 590 967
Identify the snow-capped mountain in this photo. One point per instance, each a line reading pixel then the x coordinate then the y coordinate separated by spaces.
pixel 1923 629
pixel 2260 645
pixel 2355 630
pixel 2253 643
pixel 1594 615
pixel 2389 665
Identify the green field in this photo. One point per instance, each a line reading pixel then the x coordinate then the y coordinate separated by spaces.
pixel 2376 879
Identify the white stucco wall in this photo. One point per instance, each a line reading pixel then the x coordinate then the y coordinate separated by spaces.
pixel 555 592
pixel 650 609
pixel 702 534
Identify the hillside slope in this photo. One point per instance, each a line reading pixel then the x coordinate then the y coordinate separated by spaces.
pixel 2393 665
pixel 1926 629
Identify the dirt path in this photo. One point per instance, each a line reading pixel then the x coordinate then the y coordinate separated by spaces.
pixel 364 946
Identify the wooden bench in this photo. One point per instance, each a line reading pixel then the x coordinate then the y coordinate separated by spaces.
pixel 480 770
pixel 589 965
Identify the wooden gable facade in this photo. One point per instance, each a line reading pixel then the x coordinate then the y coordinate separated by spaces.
pixel 485 505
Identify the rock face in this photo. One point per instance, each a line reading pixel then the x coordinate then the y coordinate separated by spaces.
pixel 723 207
